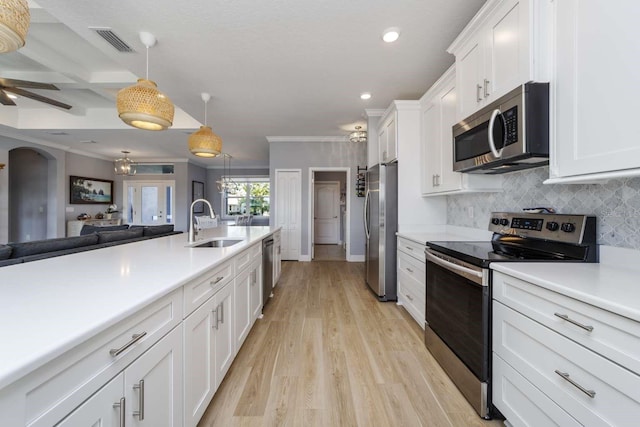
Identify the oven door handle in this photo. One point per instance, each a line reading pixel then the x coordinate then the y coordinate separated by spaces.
pixel 451 266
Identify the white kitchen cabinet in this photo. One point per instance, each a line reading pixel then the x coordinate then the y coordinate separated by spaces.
pixel 277 257
pixel 388 138
pixel 242 306
pixel 373 145
pixel 225 349
pixel 438 115
pixel 105 408
pixel 594 99
pixel 412 279
pixel 493 54
pixel 153 384
pixel 199 361
pixel 255 291
pixel 558 356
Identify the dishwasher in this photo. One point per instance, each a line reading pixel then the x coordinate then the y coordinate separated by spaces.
pixel 267 269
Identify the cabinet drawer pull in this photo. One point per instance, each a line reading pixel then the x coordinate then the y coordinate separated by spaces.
pixel 408 297
pixel 409 270
pixel 565 317
pixel 134 339
pixel 565 376
pixel 140 412
pixel 216 281
pixel 123 412
pixel 478 89
pixel 409 248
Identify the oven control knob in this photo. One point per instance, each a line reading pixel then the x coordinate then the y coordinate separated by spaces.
pixel 504 221
pixel 495 221
pixel 567 227
pixel 553 226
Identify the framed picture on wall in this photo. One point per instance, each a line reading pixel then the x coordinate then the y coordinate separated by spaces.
pixel 197 192
pixel 90 191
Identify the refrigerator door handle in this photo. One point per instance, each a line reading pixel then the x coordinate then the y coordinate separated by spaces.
pixel 366 216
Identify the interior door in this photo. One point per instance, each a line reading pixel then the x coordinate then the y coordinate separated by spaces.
pixel 326 216
pixel 288 211
pixel 149 203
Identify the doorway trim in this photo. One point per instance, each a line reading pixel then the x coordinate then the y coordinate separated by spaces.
pixel 347 228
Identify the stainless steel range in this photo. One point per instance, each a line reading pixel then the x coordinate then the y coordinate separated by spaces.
pixel 458 277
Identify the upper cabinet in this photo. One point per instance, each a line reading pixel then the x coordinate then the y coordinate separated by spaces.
pixel 388 138
pixel 494 54
pixel 438 115
pixel 595 53
pixel 373 147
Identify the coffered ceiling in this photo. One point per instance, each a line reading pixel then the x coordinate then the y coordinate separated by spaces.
pixel 276 68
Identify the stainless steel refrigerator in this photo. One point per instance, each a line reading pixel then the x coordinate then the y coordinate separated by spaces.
pixel 381 224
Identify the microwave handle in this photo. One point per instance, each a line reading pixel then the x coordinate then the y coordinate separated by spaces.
pixel 492 144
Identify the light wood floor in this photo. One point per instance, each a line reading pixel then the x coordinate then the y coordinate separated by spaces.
pixel 329 253
pixel 327 353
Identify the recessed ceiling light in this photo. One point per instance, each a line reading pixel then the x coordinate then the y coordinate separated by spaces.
pixel 390 35
pixel 12 96
pixel 365 95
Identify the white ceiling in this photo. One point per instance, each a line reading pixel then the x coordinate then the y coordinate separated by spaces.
pixel 277 68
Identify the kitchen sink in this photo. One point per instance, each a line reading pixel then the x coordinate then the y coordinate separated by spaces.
pixel 218 243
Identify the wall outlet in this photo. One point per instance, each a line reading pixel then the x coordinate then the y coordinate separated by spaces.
pixel 470 211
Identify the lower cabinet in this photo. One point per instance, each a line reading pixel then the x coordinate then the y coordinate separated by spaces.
pixel 277 257
pixel 412 279
pixel 255 293
pixel 148 392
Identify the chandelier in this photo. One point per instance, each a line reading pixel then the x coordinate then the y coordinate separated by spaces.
pixel 124 166
pixel 14 24
pixel 142 105
pixel 225 183
pixel 358 135
pixel 203 142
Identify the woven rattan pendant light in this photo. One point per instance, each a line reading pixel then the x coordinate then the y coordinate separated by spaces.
pixel 142 105
pixel 203 142
pixel 14 24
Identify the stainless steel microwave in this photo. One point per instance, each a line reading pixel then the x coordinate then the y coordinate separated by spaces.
pixel 511 133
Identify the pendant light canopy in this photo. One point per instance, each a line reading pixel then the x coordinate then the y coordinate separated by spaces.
pixel 358 135
pixel 14 24
pixel 142 105
pixel 124 166
pixel 204 142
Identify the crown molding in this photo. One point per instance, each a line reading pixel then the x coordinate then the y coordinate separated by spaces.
pixel 307 139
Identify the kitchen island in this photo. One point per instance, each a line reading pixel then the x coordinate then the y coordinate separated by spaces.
pixel 53 307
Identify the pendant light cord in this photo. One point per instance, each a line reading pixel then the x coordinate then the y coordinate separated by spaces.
pixel 147 62
pixel 205 113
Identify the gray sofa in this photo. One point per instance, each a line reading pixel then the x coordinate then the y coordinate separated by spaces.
pixel 90 238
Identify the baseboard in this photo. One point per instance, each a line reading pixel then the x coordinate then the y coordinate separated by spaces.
pixel 306 258
pixel 355 258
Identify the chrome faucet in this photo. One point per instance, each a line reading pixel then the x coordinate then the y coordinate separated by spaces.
pixel 192 232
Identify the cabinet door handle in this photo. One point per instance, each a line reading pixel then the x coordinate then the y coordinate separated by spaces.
pixel 478 89
pixel 409 270
pixel 221 312
pixel 578 324
pixel 215 316
pixel 566 377
pixel 408 297
pixel 134 339
pixel 140 412
pixel 486 88
pixel 123 412
pixel 437 180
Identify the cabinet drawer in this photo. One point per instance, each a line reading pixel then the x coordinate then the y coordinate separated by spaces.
pixel 523 404
pixel 243 260
pixel 541 355
pixel 411 294
pixel 412 267
pixel 613 336
pixel 414 249
pixel 53 391
pixel 204 287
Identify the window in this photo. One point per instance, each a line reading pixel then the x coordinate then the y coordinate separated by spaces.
pixel 249 196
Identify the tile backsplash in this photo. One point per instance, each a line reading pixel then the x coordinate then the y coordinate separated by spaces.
pixel 616 204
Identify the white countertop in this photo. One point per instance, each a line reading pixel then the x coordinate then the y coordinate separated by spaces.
pixel 445 233
pixel 49 306
pixel 608 286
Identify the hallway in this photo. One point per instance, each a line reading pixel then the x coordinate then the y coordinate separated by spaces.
pixel 327 353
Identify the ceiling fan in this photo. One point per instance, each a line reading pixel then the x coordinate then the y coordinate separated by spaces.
pixel 14 86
